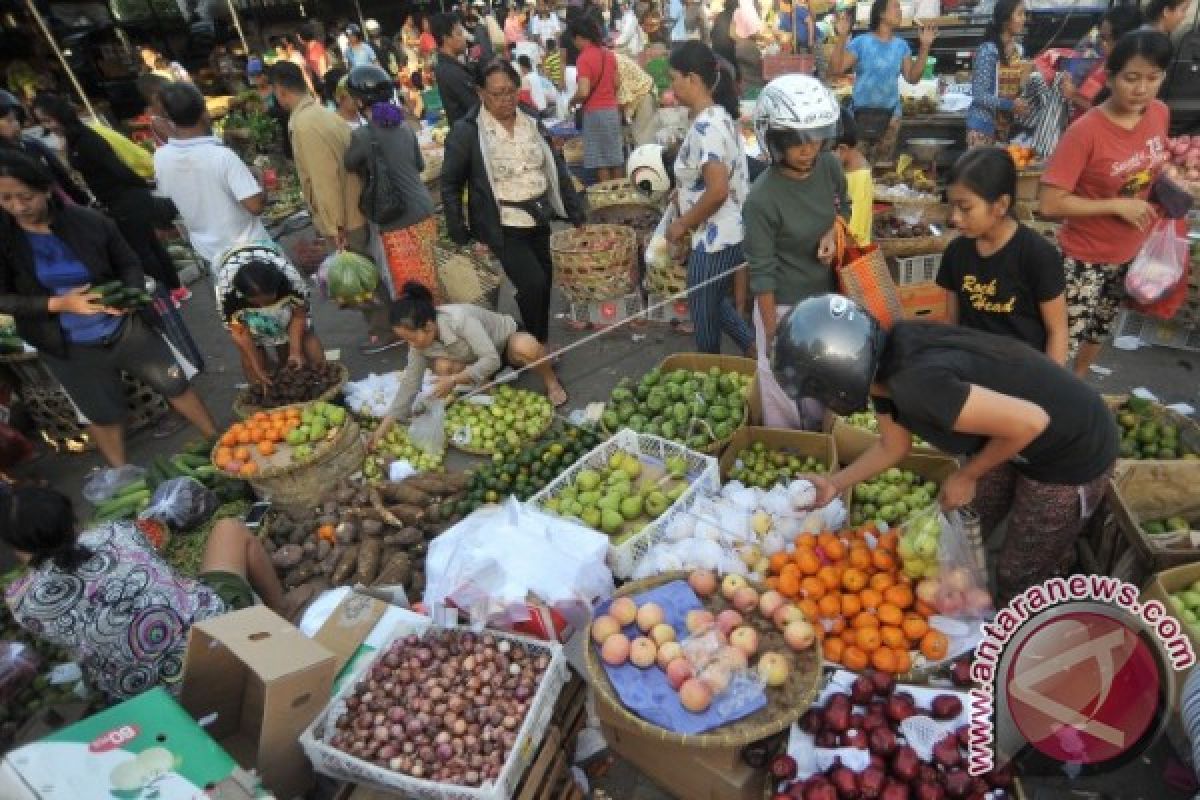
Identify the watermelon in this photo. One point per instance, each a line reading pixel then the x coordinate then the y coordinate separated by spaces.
pixel 350 276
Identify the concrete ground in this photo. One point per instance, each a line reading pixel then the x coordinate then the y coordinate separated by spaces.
pixel 589 372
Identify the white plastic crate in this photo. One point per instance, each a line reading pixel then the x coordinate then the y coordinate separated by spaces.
pixel 606 312
pixel 673 311
pixel 915 269
pixel 1154 331
pixel 703 476
pixel 328 760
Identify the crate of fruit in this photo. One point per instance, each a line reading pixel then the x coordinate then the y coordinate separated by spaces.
pixel 425 756
pixel 897 492
pixel 1157 510
pixel 855 434
pixel 762 457
pixel 1153 432
pixel 650 478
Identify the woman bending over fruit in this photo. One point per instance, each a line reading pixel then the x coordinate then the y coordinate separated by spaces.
pixel 1039 443
pixel 463 344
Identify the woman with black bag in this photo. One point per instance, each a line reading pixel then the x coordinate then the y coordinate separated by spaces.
pixel 517 184
pixel 386 153
pixel 125 196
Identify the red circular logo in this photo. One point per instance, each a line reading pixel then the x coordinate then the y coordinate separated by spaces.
pixel 1083 687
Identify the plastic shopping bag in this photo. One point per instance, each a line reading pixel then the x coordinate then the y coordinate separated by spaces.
pixel 106 482
pixel 947 550
pixel 428 428
pixel 182 503
pixel 778 409
pixel 1159 265
pixel 1169 304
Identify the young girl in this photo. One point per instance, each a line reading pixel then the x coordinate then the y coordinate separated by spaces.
pixel 263 302
pixel 463 344
pixel 108 597
pixel 859 185
pixel 999 275
pixel 712 176
pixel 1098 181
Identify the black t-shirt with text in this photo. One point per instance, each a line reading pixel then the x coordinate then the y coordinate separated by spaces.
pixel 1002 293
pixel 928 392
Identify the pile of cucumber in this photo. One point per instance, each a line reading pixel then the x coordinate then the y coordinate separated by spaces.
pixel 194 462
pixel 116 294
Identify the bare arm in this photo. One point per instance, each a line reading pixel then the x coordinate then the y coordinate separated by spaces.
pixel 914 67
pixel 1055 201
pixel 1054 317
pixel 895 442
pixel 255 203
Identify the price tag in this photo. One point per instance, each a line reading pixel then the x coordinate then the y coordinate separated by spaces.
pixel 480 400
pixel 462 436
pixel 65 673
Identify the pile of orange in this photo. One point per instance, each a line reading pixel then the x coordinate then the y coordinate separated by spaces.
pixel 261 434
pixel 868 612
pixel 1022 156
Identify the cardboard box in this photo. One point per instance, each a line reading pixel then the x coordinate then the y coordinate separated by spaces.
pixel 852 442
pixel 263 682
pixel 924 301
pixel 122 750
pixel 1142 491
pixel 931 468
pixel 688 773
pixel 803 443
pixel 742 366
pixel 349 626
pixel 1160 587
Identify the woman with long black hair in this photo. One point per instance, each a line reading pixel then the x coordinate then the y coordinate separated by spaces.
pixel 597 80
pixel 124 194
pixel 12 123
pixel 1039 443
pixel 999 49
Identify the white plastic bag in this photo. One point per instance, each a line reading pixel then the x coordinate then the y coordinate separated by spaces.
pixel 182 503
pixel 1159 265
pixel 660 253
pixel 106 482
pixel 780 410
pixel 428 429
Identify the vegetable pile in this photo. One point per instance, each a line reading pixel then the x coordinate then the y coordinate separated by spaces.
pixel 1143 436
pixel 723 641
pixel 1185 158
pixel 690 407
pixel 193 462
pixel 350 278
pixel 867 421
pixel 1185 605
pixel 621 497
pixel 505 418
pixel 276 438
pixel 1159 527
pixel 443 707
pixel 364 534
pixel 761 467
pixel 291 384
pixel 891 497
pixel 525 471
pixel 397 447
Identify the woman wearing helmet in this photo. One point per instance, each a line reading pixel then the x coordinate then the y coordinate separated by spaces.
pixel 711 173
pixel 12 123
pixel 791 207
pixel 1039 443
pixel 385 143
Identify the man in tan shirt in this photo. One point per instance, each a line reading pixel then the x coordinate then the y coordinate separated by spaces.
pixel 319 141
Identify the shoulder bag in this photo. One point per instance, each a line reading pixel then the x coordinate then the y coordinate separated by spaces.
pixel 381 200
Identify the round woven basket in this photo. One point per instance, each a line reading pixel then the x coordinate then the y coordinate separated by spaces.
pixel 466 278
pixel 594 263
pixel 621 192
pixel 784 706
pixel 666 281
pixel 244 408
pixel 301 485
pixel 912 246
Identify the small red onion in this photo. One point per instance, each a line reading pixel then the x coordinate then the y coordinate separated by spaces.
pixel 444 752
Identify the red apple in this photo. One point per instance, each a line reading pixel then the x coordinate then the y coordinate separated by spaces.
pixel 960 673
pixel 885 683
pixel 871 782
pixel 930 791
pixel 905 763
pixel 783 767
pixel 894 790
pixel 964 737
pixel 811 721
pixel 927 774
pixel 882 741
pixel 946 706
pixel 857 720
pixel 900 707
pixel 855 738
pixel 820 789
pixel 845 782
pixel 862 690
pixel 946 752
pixel 958 783
pixel 837 718
pixel 827 739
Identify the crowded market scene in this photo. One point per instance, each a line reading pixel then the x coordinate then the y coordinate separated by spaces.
pixel 519 399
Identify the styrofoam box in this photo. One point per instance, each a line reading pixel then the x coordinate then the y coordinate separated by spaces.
pixel 607 312
pixel 1156 331
pixel 335 763
pixel 703 476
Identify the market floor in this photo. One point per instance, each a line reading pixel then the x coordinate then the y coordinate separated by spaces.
pixel 589 372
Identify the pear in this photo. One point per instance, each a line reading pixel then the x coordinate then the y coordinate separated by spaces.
pixel 610 521
pixel 656 503
pixel 593 517
pixel 631 507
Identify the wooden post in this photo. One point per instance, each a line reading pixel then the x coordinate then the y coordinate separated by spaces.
pixel 237 24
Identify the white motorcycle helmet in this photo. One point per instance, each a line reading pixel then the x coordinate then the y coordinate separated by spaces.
pixel 647 170
pixel 798 105
pixel 372 27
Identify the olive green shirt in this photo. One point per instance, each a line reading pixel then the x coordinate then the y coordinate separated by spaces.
pixel 466 333
pixel 785 220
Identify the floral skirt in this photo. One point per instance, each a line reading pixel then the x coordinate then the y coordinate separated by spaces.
pixel 410 256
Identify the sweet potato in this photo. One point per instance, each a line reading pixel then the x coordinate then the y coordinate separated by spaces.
pixel 372 527
pixel 330 561
pixel 305 571
pixel 368 561
pixel 300 534
pixel 297 598
pixel 405 537
pixel 404 494
pixel 346 532
pixel 408 515
pixel 446 483
pixel 396 569
pixel 287 556
pixel 323 549
pixel 345 566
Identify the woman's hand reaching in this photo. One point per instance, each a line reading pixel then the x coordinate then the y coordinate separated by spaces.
pixel 827 247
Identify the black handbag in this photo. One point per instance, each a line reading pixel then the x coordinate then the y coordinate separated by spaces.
pixel 381 200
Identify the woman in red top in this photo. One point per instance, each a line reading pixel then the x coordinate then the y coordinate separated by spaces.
pixel 1098 181
pixel 597 80
pixel 427 43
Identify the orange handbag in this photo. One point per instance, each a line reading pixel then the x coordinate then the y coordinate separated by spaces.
pixel 863 276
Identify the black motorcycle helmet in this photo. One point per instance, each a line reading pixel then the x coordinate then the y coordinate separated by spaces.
pixel 370 84
pixel 828 348
pixel 9 102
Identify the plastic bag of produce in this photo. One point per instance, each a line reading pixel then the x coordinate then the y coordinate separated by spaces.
pixel 181 503
pixel 106 482
pixel 1159 265
pixel 1166 306
pixel 428 429
pixel 18 666
pixel 351 279
pixel 779 410
pixel 940 552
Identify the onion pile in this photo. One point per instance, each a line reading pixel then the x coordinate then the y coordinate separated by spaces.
pixel 443 707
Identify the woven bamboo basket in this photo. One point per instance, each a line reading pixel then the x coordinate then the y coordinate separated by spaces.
pixel 784 706
pixel 621 192
pixel 243 408
pixel 466 278
pixel 668 280
pixel 573 151
pixel 913 246
pixel 594 263
pixel 300 486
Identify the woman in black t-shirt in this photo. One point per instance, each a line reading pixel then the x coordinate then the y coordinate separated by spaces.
pixel 1039 442
pixel 1001 276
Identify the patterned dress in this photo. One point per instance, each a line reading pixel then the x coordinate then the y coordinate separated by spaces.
pixel 124 614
